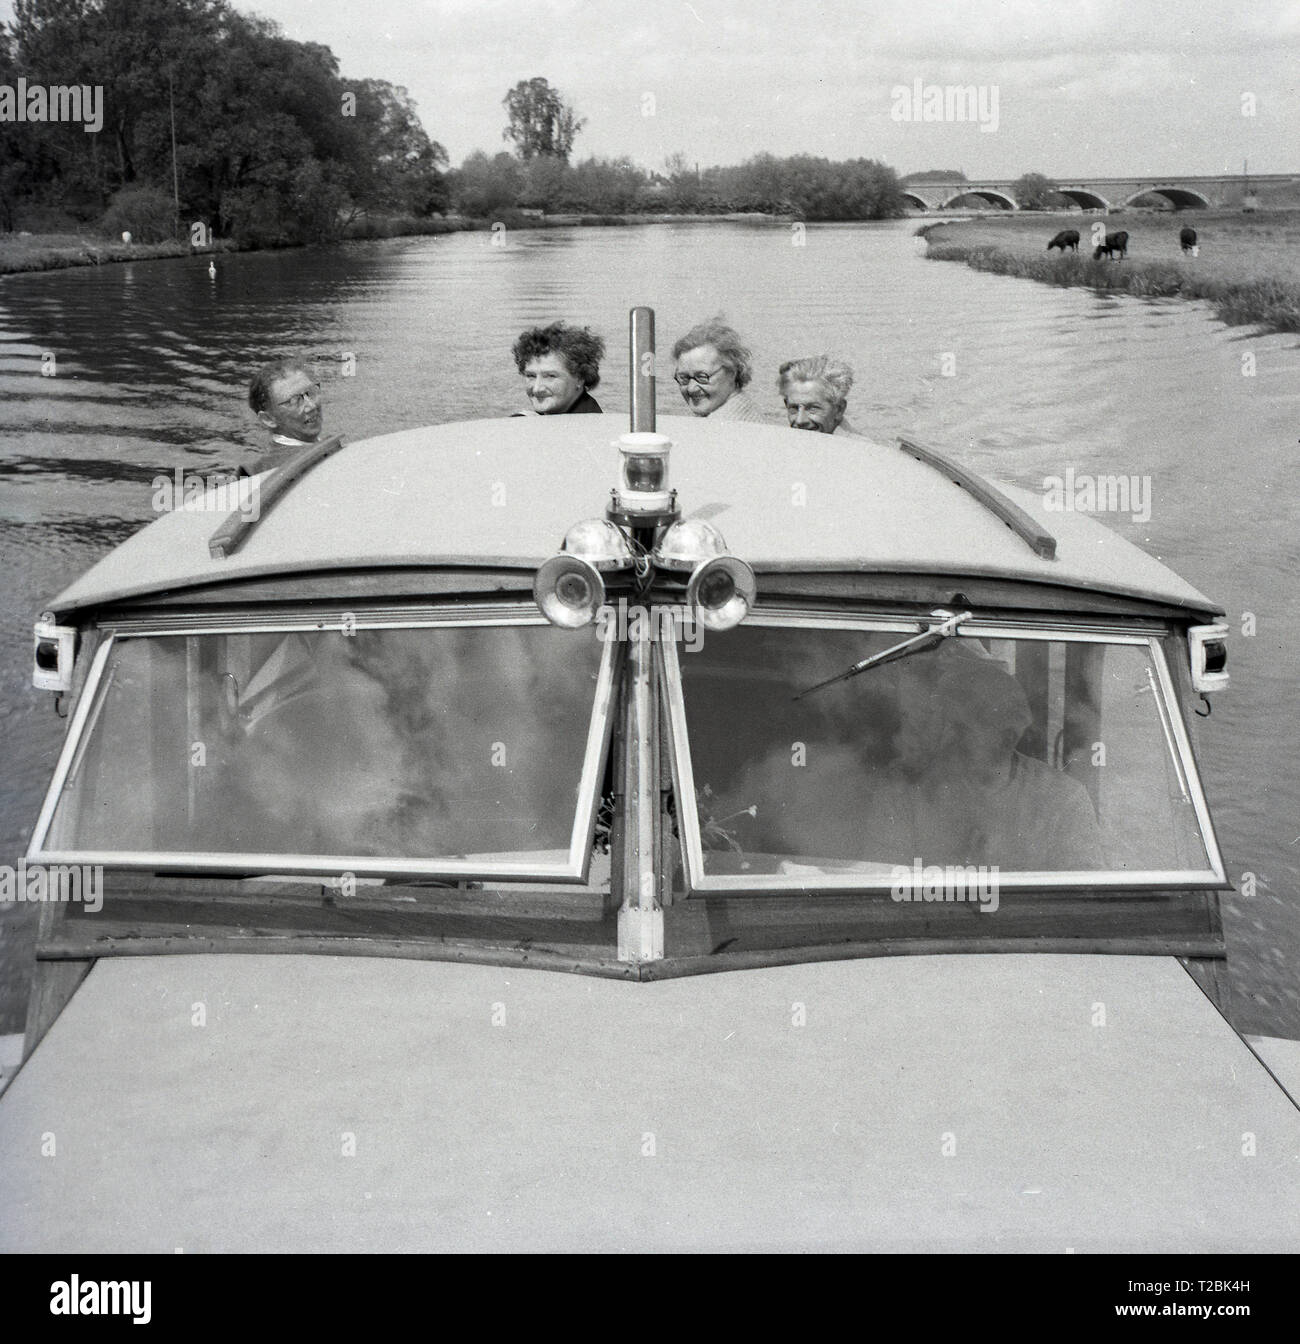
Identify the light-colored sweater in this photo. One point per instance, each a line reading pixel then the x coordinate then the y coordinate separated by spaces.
pixel 740 406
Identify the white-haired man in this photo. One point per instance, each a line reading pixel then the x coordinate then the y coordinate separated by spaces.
pixel 816 391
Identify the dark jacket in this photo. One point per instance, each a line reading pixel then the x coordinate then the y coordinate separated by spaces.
pixel 585 405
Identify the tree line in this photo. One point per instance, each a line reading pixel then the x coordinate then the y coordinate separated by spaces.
pixel 542 127
pixel 214 117
pixel 801 185
pixel 254 135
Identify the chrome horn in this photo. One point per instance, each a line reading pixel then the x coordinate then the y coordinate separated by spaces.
pixel 721 588
pixel 721 592
pixel 568 588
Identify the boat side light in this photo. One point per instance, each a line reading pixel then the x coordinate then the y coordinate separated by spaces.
pixel 600 543
pixel 643 481
pixel 687 544
pixel 568 588
pixel 1208 650
pixel 54 653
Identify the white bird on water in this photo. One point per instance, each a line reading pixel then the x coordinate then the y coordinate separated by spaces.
pixel 212 270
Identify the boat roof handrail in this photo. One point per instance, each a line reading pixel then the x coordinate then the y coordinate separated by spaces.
pixel 1039 540
pixel 237 528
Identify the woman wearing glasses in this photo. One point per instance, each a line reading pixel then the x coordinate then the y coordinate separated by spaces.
pixel 713 368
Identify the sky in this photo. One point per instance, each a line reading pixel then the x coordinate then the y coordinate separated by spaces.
pixel 1082 87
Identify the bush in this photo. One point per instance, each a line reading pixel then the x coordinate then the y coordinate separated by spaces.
pixel 369 227
pixel 305 207
pixel 46 219
pixel 255 218
pixel 147 214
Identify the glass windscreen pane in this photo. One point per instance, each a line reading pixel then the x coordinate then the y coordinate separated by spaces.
pixel 1035 756
pixel 459 743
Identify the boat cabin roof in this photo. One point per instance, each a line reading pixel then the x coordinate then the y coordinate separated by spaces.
pixel 501 494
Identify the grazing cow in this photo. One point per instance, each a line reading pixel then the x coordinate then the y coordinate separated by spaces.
pixel 1066 238
pixel 1115 242
pixel 1188 239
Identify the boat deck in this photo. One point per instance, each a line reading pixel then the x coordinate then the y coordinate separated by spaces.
pixel 1046 1103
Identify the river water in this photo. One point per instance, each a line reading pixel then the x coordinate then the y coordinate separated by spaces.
pixel 112 375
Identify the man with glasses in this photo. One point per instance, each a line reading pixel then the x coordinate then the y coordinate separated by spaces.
pixel 279 668
pixel 286 400
pixel 713 368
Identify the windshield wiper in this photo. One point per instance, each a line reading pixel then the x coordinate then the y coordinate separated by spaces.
pixel 927 639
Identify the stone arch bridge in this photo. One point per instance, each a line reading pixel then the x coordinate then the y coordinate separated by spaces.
pixel 1100 193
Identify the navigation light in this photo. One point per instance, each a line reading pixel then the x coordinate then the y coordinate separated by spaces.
pixel 1207 645
pixel 643 482
pixel 53 655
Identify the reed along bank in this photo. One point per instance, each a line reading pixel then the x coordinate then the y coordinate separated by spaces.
pixel 1247 265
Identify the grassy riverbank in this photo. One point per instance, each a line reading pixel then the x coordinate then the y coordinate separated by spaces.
pixel 1248 266
pixel 55 251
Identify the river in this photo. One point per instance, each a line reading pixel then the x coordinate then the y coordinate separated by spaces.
pixel 150 362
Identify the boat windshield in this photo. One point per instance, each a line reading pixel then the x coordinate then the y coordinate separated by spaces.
pixel 1051 759
pixel 450 749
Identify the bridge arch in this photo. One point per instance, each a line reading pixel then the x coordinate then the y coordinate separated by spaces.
pixel 914 201
pixel 1181 198
pixel 988 194
pixel 1085 198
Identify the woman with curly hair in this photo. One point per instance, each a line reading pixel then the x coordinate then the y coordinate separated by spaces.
pixel 560 365
pixel 713 368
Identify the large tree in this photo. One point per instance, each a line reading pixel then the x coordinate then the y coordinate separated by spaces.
pixel 484 186
pixel 265 139
pixel 398 167
pixel 17 171
pixel 541 122
pixel 141 52
pixel 1034 191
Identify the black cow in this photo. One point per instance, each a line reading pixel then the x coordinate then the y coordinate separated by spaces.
pixel 1066 238
pixel 1188 239
pixel 1115 242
